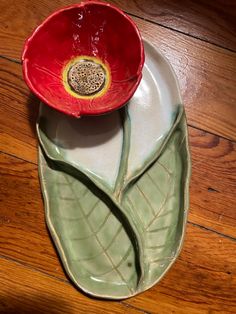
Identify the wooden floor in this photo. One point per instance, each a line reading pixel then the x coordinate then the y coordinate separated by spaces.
pixel 198 38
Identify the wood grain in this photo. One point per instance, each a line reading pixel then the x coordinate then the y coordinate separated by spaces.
pixel 216 156
pixel 213 182
pixel 205 270
pixel 207 76
pixel 203 279
pixel 25 238
pixel 29 291
pixel 18 113
pixel 212 21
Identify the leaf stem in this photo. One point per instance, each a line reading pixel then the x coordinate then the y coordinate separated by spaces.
pixel 126 124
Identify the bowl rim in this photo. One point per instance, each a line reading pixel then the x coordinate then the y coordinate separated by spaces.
pixel 94 111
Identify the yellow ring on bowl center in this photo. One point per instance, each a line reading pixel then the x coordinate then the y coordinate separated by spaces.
pixel 86 77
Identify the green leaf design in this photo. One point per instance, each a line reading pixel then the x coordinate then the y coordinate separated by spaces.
pixel 88 233
pixel 159 199
pixel 116 186
pixel 153 207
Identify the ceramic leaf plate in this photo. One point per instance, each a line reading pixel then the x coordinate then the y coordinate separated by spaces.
pixel 116 186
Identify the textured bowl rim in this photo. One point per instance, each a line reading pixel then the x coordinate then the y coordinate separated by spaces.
pixel 98 110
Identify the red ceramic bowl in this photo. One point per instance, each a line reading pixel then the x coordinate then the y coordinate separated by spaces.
pixel 90 32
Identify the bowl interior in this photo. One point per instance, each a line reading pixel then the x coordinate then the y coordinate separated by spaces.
pixel 93 30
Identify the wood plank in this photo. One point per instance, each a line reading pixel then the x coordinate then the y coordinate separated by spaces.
pixel 207 78
pixel 201 281
pixel 24 290
pixel 212 21
pixel 213 182
pixel 213 157
pixel 18 113
pixel 205 270
pixel 207 74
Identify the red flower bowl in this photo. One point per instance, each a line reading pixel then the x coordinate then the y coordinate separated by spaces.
pixel 85 59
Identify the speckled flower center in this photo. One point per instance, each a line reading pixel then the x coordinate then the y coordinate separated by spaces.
pixel 86 77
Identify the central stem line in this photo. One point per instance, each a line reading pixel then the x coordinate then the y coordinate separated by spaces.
pixel 124 154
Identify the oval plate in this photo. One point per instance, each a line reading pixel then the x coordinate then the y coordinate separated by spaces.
pixel 116 187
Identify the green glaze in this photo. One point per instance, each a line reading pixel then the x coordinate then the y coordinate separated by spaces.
pixel 159 200
pixel 96 243
pixel 118 240
pixel 88 233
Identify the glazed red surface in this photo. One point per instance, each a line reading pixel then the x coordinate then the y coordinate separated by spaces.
pixel 92 29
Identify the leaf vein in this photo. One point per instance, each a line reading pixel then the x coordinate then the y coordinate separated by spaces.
pixel 99 242
pixel 147 200
pixel 160 210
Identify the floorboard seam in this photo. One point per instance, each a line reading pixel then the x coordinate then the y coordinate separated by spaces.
pixel 212 133
pixel 192 223
pixel 10 59
pixel 181 32
pixel 20 158
pixel 211 230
